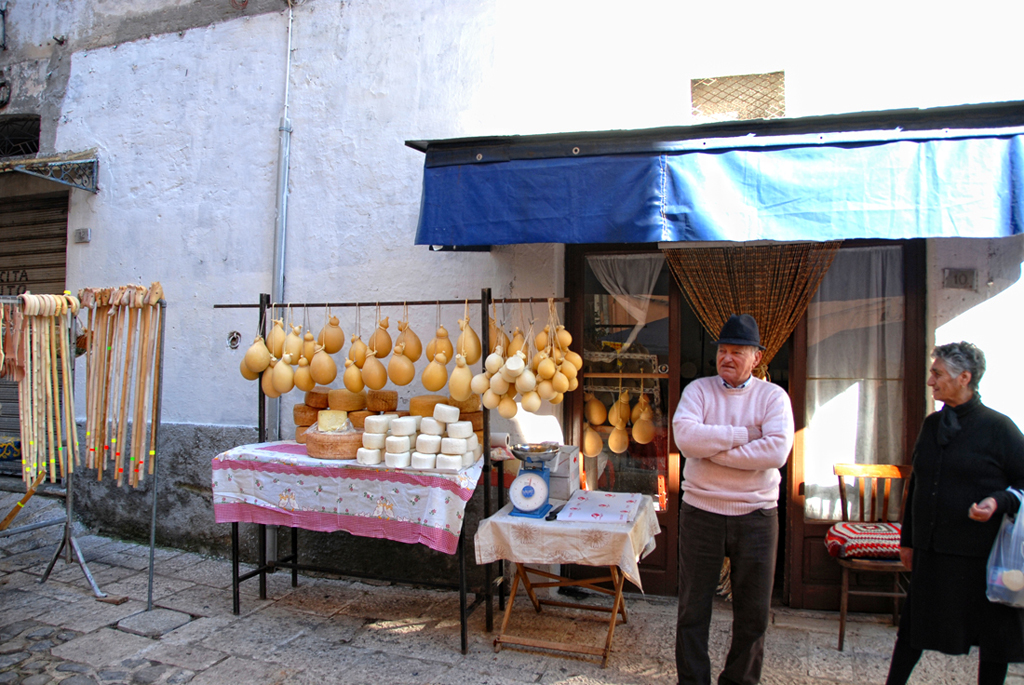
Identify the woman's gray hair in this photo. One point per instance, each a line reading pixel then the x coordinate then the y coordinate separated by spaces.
pixel 962 356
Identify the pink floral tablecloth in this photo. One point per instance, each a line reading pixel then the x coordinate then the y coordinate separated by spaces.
pixel 277 483
pixel 538 541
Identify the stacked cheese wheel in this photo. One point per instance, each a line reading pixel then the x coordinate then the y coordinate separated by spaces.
pixel 438 441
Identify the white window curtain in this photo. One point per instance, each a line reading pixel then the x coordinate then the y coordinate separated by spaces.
pixel 855 328
pixel 631 280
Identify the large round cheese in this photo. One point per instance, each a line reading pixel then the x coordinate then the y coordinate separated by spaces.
pixel 474 417
pixel 300 434
pixel 382 400
pixel 467 405
pixel 317 397
pixel 333 445
pixel 341 398
pixel 423 405
pixel 304 415
pixel 358 417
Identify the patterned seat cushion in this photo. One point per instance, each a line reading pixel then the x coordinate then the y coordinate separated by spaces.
pixel 853 540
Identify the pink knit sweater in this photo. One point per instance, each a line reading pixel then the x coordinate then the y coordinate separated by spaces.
pixel 725 472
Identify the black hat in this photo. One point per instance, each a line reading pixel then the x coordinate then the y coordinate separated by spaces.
pixel 740 329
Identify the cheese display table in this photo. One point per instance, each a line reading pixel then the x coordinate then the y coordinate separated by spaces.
pixel 619 546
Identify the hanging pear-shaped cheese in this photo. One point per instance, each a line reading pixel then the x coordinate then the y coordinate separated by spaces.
pixel 531 401
pixel 559 382
pixel 275 339
pixel 257 357
pixel 267 381
pixel 507 408
pixel 490 399
pixel 567 369
pixel 618 441
pixel 547 368
pixel 303 378
pixel 331 337
pixel 293 344
pixel 498 384
pixel 480 384
pixel 461 381
pixel 563 337
pixel 526 382
pixel 380 341
pixel 537 359
pixel 574 359
pixel 494 361
pixel 546 390
pixel 513 367
pixel 440 344
pixel 284 377
pixel 593 445
pixel 497 336
pixel 557 399
pixel 401 370
pixel 247 374
pixel 639 408
pixel 643 427
pixel 357 352
pixel 574 383
pixel 594 411
pixel 374 375
pixel 408 337
pixel 322 367
pixel 308 346
pixel 542 339
pixel 435 375
pixel 518 342
pixel 468 343
pixel 353 377
pixel 620 409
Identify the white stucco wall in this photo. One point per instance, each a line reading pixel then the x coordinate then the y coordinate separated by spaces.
pixel 186 128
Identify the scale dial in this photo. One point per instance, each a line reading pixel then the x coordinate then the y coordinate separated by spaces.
pixel 528 492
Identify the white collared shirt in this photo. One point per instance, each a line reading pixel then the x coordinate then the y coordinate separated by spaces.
pixel 741 385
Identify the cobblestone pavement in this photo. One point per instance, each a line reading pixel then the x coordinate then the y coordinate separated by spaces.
pixel 342 631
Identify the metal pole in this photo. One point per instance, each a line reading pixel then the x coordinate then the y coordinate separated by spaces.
pixel 485 346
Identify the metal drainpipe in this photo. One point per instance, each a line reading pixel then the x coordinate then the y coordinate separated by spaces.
pixel 280 242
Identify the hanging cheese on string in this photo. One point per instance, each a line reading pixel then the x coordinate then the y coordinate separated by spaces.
pixel 526 382
pixel 593 445
pixel 267 381
pixel 374 375
pixel 407 336
pixel 380 341
pixel 275 339
pixel 513 367
pixel 440 344
pixel 490 399
pixel 481 383
pixel 308 346
pixel 322 367
pixel 257 357
pixel 353 377
pixel 518 342
pixel 247 374
pixel 547 368
pixel 498 384
pixel 643 427
pixel 283 376
pixel 460 383
pixel 557 399
pixel 507 407
pixel 531 401
pixel 620 409
pixel 435 375
pixel 401 370
pixel 618 441
pixel 546 390
pixel 575 359
pixel 541 340
pixel 594 411
pixel 357 353
pixel 494 362
pixel 496 337
pixel 293 344
pixel 303 377
pixel 559 382
pixel 468 343
pixel 639 408
pixel 331 337
pixel 563 337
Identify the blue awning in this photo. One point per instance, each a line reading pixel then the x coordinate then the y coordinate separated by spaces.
pixel 884 184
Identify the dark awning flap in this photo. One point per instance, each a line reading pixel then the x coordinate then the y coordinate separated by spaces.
pixel 939 184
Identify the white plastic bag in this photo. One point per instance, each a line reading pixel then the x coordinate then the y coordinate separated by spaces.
pixel 1006 560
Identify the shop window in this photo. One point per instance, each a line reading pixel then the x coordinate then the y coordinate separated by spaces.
pixel 733 98
pixel 626 355
pixel 19 135
pixel 855 372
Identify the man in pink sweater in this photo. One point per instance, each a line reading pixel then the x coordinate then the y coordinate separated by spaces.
pixel 735 432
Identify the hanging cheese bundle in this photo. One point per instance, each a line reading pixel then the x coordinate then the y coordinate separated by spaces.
pixel 303 378
pixel 459 385
pixel 435 375
pixel 322 367
pixel 380 341
pixel 267 380
pixel 357 353
pixel 620 409
pixel 531 401
pixel 401 370
pixel 643 427
pixel 541 341
pixel 283 376
pixel 257 357
pixel 331 337
pixel 594 410
pixel 407 336
pixel 639 408
pixel 518 341
pixel 374 375
pixel 353 377
pixel 440 344
pixel 246 373
pixel 496 336
pixel 480 384
pixel 592 443
pixel 308 346
pixel 526 381
pixel 618 441
pixel 275 339
pixel 293 344
pixel 468 343
pixel 507 407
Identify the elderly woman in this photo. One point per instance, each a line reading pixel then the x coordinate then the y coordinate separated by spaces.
pixel 965 458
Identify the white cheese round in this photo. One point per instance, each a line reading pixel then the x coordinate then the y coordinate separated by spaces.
pixel 397 443
pixel 377 423
pixel 399 460
pixel 469 458
pixel 445 413
pixel 431 426
pixel 453 446
pixel 459 429
pixel 423 461
pixel 367 456
pixel 428 444
pixel 373 441
pixel 403 425
pixel 449 461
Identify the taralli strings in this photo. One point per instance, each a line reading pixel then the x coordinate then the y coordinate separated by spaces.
pixel 122 383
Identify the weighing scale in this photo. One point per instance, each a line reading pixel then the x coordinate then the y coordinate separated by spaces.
pixel 529 491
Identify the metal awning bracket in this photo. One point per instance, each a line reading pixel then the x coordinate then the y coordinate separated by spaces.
pixel 77 174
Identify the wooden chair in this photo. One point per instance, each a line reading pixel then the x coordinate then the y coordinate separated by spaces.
pixel 874 508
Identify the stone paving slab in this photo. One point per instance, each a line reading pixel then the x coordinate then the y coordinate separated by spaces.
pixel 102 647
pixel 153 623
